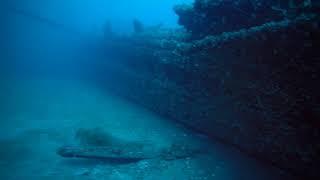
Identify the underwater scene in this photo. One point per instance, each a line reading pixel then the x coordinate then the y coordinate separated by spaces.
pixel 159 90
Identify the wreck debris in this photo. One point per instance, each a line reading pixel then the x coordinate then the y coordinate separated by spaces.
pixel 137 26
pixel 99 145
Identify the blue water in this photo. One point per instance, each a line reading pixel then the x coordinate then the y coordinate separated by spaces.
pixel 43 108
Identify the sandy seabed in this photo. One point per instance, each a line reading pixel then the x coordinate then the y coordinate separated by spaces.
pixel 40 115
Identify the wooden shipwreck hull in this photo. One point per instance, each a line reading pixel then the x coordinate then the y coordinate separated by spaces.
pixel 253 88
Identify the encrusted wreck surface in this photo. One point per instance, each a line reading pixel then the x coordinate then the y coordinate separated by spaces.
pixel 251 84
pixel 206 17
